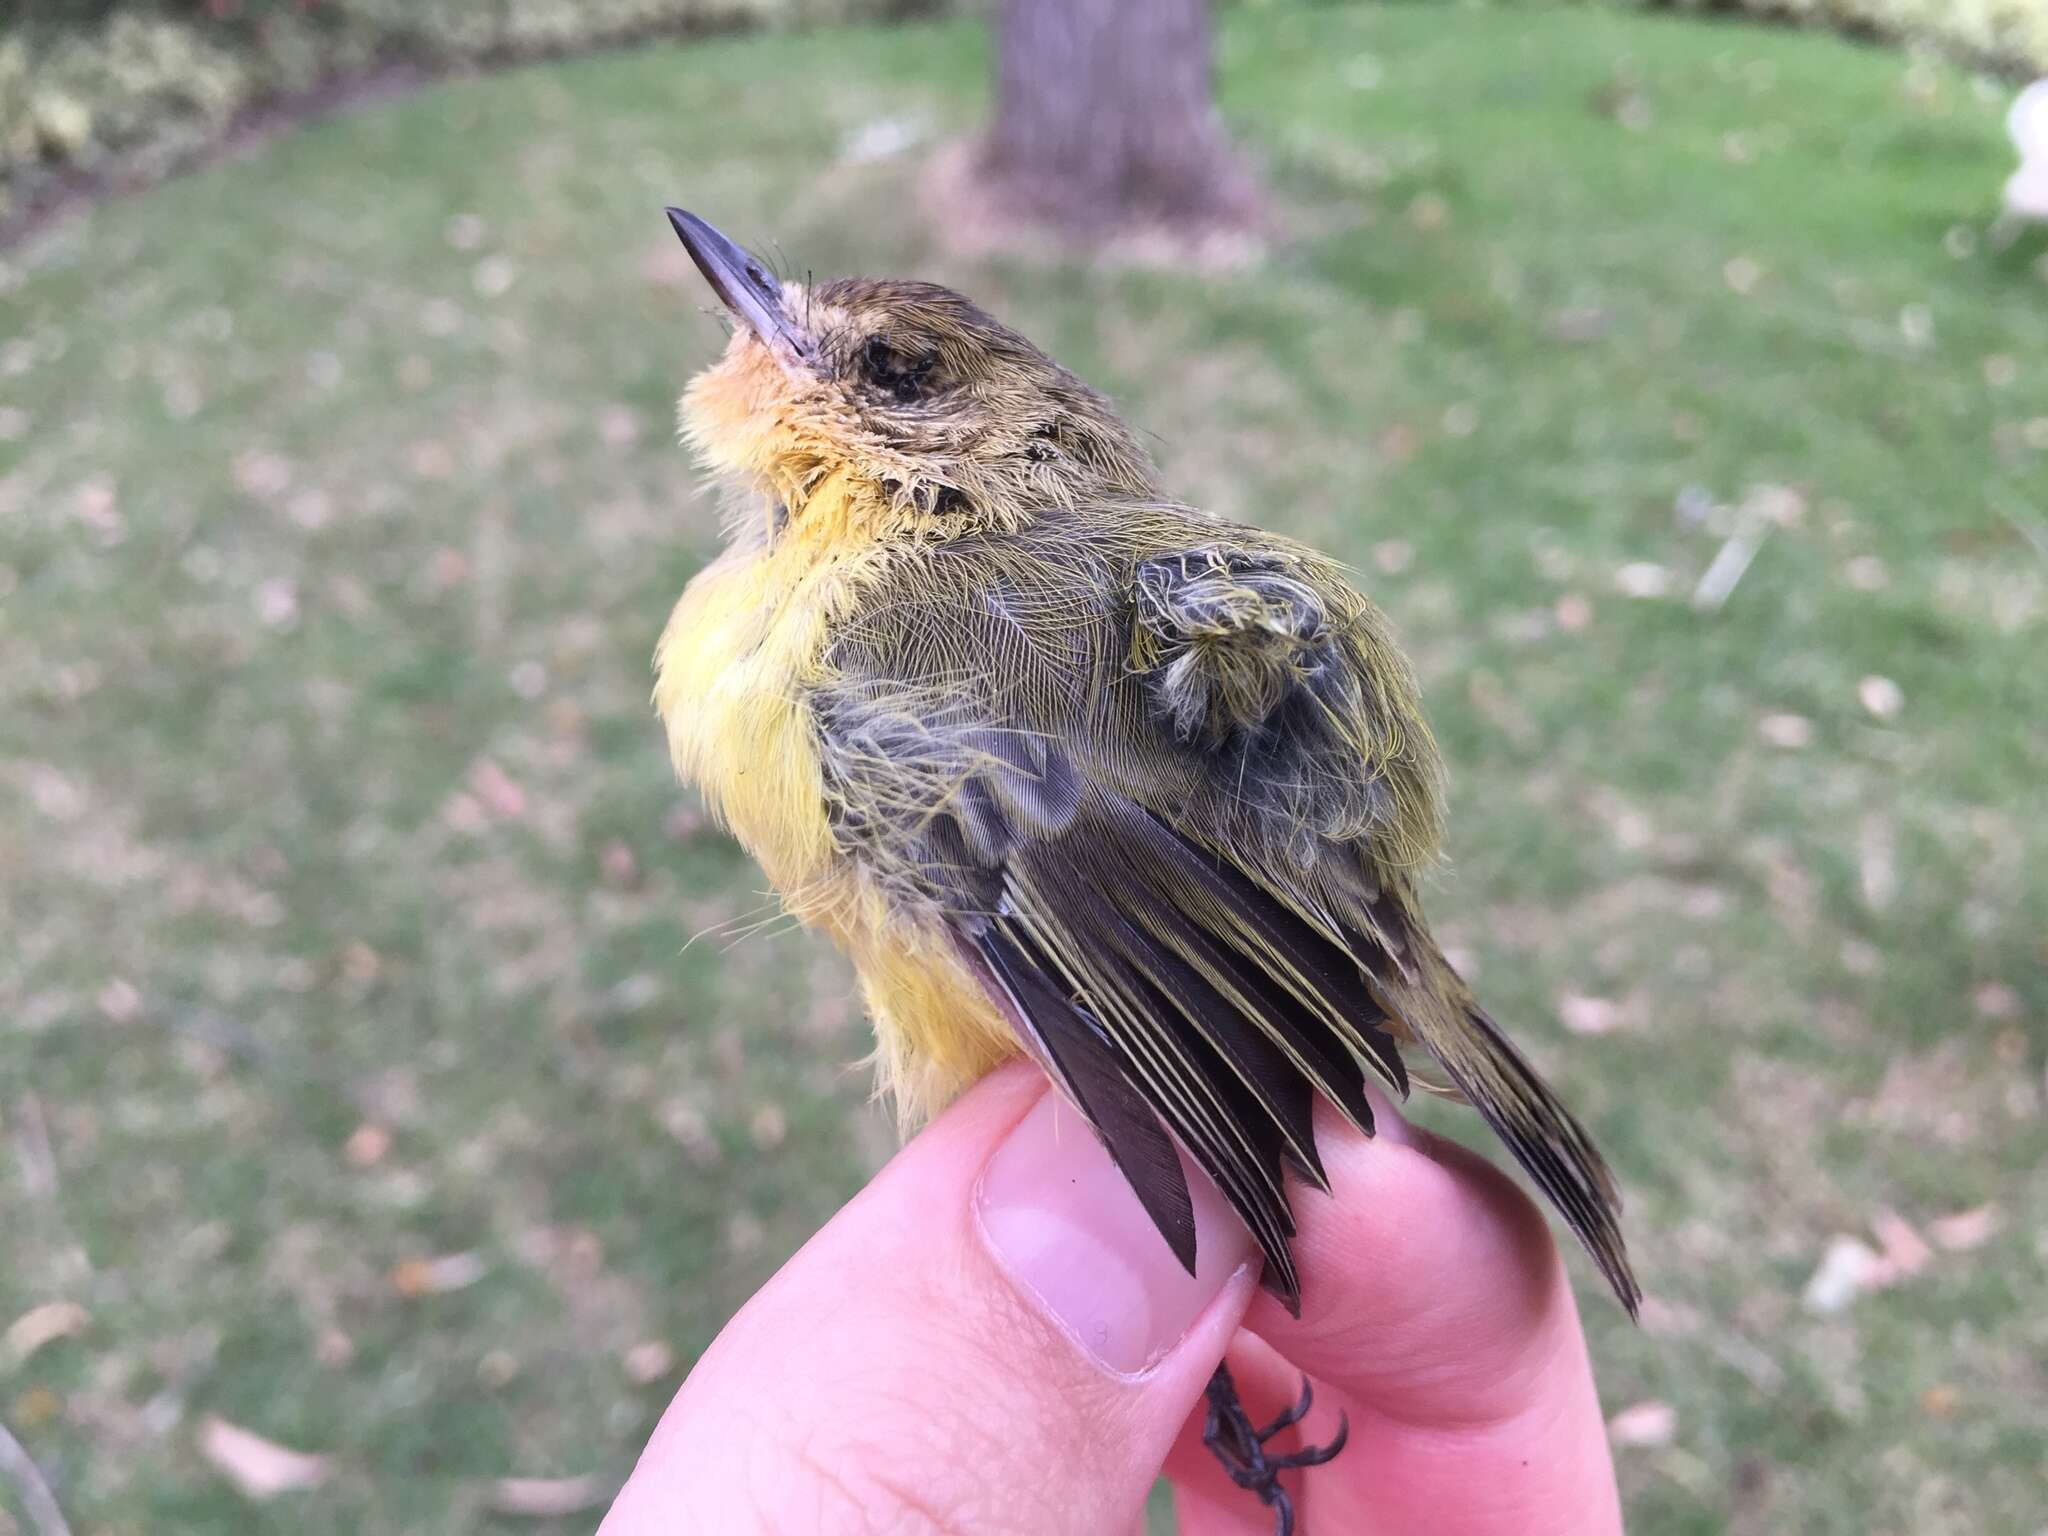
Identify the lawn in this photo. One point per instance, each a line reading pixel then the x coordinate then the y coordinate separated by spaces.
pixel 355 1078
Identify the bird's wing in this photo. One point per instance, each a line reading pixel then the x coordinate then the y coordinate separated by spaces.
pixel 1172 825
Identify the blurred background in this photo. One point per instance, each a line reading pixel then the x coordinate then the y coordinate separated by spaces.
pixel 374 1155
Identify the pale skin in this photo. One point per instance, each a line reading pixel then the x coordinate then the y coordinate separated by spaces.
pixel 990 1338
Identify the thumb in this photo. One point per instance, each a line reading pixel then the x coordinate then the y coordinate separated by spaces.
pixel 990 1337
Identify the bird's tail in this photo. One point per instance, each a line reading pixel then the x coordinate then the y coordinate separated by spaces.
pixel 1432 999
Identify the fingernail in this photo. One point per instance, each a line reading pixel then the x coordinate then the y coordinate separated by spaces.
pixel 1063 1222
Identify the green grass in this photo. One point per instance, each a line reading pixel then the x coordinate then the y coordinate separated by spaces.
pixel 339 511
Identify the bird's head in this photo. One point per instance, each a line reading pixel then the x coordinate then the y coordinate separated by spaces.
pixel 898 403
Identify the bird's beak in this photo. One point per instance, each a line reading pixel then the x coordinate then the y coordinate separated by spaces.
pixel 742 282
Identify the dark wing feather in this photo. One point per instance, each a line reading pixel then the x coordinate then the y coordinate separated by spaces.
pixel 1174 824
pixel 1226 1013
pixel 1096 1078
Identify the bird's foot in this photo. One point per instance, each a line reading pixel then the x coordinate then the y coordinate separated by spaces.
pixel 1241 1449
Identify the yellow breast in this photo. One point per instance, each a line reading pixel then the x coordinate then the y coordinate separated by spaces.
pixel 731 670
pixel 741 653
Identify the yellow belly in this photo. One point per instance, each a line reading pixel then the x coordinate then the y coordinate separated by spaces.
pixel 735 664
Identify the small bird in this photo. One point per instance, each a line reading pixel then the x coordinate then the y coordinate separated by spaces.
pixel 1071 769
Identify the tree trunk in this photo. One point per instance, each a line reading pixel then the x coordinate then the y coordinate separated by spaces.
pixel 1106 121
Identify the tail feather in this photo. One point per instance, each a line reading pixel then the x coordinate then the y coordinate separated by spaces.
pixel 1531 1121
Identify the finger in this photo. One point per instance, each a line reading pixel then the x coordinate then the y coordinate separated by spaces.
pixel 1434 1301
pixel 991 1337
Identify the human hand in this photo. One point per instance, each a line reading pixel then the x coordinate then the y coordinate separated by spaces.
pixel 991 1338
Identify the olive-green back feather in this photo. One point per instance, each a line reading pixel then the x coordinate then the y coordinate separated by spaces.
pixel 1168 780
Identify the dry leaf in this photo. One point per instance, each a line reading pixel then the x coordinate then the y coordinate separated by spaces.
pixel 1393 555
pixel 543 1498
pixel 260 1468
pixel 616 863
pixel 366 1145
pixel 1848 1269
pixel 46 1324
pixel 35 1408
pixel 1589 1015
pixel 119 1000
pixel 1642 578
pixel 1904 1251
pixel 1996 1000
pixel 1965 1230
pixel 435 1277
pixel 1881 696
pixel 1790 733
pixel 649 1361
pixel 496 789
pixel 769 1127
pixel 1648 1423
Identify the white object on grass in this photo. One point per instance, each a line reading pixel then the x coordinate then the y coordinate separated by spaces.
pixel 2026 194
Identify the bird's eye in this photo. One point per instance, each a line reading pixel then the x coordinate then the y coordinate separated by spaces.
pixel 894 372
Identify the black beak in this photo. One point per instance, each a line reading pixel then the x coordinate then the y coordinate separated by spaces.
pixel 743 284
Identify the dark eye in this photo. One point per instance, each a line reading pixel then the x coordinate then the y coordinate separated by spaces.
pixel 891 370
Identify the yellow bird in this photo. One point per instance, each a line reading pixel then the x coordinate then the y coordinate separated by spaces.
pixel 1070 768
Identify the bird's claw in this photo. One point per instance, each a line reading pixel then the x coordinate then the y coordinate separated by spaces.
pixel 1230 1437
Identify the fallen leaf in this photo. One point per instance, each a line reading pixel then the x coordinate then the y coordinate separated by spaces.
pixel 1644 1424
pixel 1642 578
pixel 437 1276
pixel 497 790
pixel 1996 1000
pixel 1393 555
pixel 262 474
pixel 1398 443
pixel 366 1145
pixel 1790 733
pixel 119 1000
pixel 493 276
pixel 1584 1015
pixel 649 1361
pixel 360 963
pixel 545 1498
pixel 617 864
pixel 529 679
pixel 43 1325
pixel 1904 1251
pixel 35 1408
pixel 1778 504
pixel 1881 696
pixel 1670 1319
pixel 769 1127
pixel 1965 1229
pixel 1429 211
pixel 498 1368
pixel 617 425
pixel 1848 1269
pixel 260 1468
